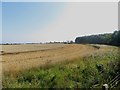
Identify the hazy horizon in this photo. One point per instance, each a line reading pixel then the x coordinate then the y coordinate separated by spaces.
pixel 54 21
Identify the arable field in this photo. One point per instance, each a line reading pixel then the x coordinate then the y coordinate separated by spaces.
pixel 20 57
pixel 59 65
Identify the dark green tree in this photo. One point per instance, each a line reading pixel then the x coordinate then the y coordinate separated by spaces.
pixel 109 39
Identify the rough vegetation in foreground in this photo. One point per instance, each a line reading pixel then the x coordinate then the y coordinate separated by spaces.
pixel 89 71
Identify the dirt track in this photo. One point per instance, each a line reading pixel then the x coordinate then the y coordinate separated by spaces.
pixel 35 58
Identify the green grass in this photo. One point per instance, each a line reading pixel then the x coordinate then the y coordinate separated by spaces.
pixel 90 71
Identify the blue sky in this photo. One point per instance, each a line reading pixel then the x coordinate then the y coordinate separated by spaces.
pixel 20 19
pixel 50 21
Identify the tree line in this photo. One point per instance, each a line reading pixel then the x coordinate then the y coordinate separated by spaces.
pixel 107 38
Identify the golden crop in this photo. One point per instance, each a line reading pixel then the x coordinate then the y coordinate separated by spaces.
pixel 22 57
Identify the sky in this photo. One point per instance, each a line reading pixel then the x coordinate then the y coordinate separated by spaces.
pixel 56 21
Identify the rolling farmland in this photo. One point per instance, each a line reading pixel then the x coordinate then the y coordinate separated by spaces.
pixel 26 59
pixel 20 57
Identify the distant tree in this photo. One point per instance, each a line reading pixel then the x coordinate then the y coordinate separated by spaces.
pixel 109 39
pixel 116 38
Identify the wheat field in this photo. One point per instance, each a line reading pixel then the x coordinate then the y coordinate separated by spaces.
pixel 35 65
pixel 17 58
